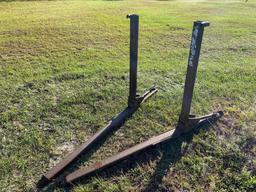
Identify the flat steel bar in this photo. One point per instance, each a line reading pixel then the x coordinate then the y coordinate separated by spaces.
pixel 194 53
pixel 112 125
pixel 86 171
pixel 134 35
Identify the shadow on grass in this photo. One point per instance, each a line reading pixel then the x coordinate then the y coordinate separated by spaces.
pixel 172 151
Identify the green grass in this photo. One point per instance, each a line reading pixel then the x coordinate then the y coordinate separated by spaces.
pixel 64 75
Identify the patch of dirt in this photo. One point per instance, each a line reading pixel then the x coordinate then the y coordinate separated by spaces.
pixel 60 150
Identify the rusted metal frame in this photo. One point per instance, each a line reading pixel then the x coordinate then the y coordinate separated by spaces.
pixel 186 121
pixel 134 102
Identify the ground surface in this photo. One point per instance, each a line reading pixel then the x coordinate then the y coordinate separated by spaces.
pixel 64 75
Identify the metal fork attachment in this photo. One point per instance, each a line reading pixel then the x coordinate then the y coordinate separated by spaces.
pixel 134 102
pixel 186 121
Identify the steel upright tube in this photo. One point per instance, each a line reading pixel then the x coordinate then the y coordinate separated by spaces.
pixel 196 40
pixel 134 102
pixel 134 32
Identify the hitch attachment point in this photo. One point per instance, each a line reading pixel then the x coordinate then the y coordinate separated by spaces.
pixel 204 23
pixel 131 15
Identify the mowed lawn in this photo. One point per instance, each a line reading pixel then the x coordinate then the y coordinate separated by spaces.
pixel 64 75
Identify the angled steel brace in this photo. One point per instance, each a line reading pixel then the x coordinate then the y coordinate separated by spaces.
pixel 134 102
pixel 186 121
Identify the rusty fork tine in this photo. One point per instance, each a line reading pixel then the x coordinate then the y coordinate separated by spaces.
pixel 134 102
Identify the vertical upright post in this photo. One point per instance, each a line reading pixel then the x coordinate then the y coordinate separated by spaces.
pixel 134 31
pixel 196 40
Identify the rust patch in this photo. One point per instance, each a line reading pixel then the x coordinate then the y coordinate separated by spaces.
pixel 97 165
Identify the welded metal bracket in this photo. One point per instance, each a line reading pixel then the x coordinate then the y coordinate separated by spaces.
pixel 134 102
pixel 186 121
